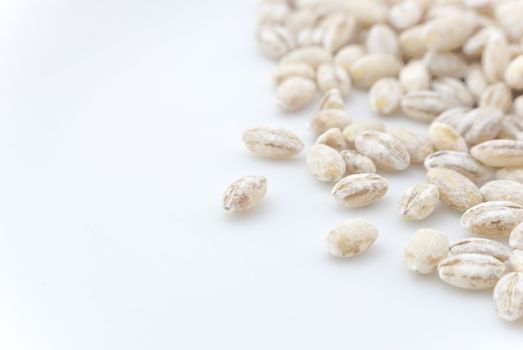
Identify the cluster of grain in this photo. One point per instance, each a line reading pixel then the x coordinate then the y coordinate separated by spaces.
pixel 456 66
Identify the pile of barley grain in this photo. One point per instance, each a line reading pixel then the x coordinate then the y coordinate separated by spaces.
pixel 455 64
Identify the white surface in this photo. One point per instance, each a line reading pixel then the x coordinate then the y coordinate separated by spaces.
pixel 119 131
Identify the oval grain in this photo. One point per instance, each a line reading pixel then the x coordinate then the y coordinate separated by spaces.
pixel 425 250
pixel 269 142
pixel 418 145
pixel 327 119
pixel 471 271
pixel 325 163
pixel 357 163
pixel 385 96
pixel 351 238
pixel 455 190
pixel 503 190
pixel 360 190
pixel 334 138
pixel 508 296
pixel 295 93
pixel 418 202
pixel 427 105
pixel 499 153
pixel 461 162
pixel 244 193
pixel 386 151
pixel 493 219
pixel 445 138
pixel 481 246
pixel 368 69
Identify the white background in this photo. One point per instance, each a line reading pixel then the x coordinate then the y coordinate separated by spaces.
pixel 120 128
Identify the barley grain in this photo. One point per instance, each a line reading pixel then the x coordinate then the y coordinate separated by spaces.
pixel 368 69
pixel 270 142
pixel 357 163
pixel 418 145
pixel 499 153
pixel 503 190
pixel 418 202
pixel 481 246
pixel 508 296
pixel 471 271
pixel 455 190
pixel 387 152
pixel 494 219
pixel 334 138
pixel 444 138
pixel 327 119
pixel 244 193
pixel 359 190
pixel 295 93
pixel 325 163
pixel 351 238
pixel 385 95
